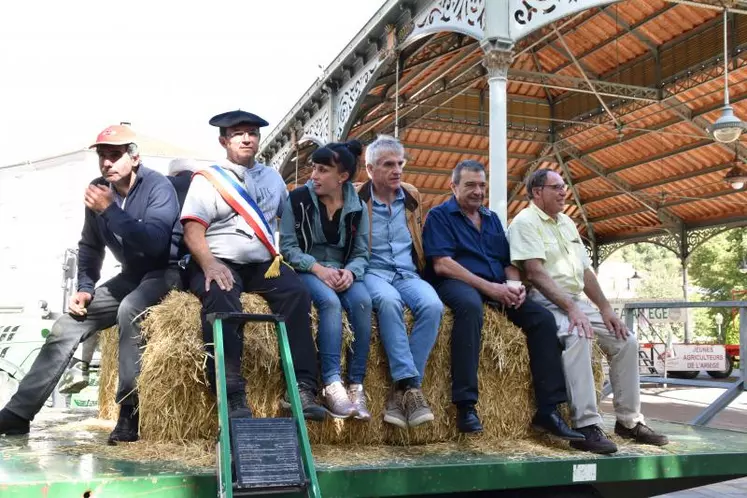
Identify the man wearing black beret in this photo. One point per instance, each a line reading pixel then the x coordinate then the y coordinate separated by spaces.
pixel 230 218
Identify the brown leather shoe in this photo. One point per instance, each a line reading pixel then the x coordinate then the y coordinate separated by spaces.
pixel 641 434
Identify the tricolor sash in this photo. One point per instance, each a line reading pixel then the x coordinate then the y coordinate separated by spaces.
pixel 240 201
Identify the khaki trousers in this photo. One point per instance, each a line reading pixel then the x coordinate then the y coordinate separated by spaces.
pixel 622 356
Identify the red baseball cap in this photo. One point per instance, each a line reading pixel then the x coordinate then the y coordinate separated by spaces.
pixel 115 135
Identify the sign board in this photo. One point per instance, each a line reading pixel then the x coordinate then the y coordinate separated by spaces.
pixel 652 315
pixel 691 357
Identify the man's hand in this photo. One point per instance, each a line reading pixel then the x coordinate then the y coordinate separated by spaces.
pixel 330 276
pixel 346 280
pixel 614 324
pixel 579 322
pixel 98 198
pixel 504 294
pixel 522 296
pixel 220 274
pixel 78 303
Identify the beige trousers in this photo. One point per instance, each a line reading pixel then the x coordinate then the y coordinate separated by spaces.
pixel 622 356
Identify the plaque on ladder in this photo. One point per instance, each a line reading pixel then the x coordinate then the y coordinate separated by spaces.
pixel 266 454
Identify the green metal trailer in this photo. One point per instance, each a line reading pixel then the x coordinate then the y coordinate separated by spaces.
pixel 39 466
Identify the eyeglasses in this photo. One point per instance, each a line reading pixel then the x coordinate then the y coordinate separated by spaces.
pixel 559 187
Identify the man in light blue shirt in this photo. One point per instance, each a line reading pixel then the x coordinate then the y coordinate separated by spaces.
pixel 393 280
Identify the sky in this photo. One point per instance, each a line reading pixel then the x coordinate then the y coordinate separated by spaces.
pixel 69 69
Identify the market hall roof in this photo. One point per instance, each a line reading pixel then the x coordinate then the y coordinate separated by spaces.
pixel 642 166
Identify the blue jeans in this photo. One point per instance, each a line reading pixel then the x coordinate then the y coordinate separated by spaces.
pixel 329 304
pixel 407 356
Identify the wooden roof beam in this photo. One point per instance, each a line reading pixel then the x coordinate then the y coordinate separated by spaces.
pixel 663 181
pixel 577 198
pixel 665 205
pixel 609 40
pixel 666 216
pixel 462 150
pixel 628 28
pixel 572 83
pixel 648 55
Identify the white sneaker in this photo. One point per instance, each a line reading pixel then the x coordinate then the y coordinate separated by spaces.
pixel 337 401
pixel 358 398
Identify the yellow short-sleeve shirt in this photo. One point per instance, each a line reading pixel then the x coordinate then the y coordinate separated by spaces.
pixel 533 234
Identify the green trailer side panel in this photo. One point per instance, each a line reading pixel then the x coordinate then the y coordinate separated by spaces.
pixel 38 466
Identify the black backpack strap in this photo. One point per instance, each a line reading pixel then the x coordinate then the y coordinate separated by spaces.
pixel 300 199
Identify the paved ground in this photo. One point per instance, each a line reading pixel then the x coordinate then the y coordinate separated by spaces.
pixel 682 405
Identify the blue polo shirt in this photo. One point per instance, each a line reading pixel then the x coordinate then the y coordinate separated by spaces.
pixel 448 232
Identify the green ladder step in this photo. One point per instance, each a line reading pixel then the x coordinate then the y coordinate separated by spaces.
pixel 226 486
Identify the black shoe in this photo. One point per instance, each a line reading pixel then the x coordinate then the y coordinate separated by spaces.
pixel 126 430
pixel 12 425
pixel 596 441
pixel 641 434
pixel 554 424
pixel 237 406
pixel 467 419
pixel 312 410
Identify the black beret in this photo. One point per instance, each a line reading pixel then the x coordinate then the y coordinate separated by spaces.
pixel 235 118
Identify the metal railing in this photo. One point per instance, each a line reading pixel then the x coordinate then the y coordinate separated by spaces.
pixel 733 388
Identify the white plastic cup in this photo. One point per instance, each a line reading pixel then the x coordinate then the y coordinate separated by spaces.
pixel 514 284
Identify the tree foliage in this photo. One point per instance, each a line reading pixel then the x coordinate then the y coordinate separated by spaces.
pixel 714 270
pixel 713 275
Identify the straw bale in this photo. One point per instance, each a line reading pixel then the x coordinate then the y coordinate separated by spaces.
pixel 108 373
pixel 176 405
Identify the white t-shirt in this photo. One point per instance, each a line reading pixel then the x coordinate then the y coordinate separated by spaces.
pixel 228 235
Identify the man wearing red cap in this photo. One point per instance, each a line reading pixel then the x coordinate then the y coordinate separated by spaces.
pixel 132 211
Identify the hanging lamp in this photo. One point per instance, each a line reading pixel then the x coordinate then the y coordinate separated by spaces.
pixel 728 127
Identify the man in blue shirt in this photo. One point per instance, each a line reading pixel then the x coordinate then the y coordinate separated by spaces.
pixel 132 211
pixel 469 264
pixel 392 280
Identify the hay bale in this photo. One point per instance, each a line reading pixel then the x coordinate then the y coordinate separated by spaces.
pixel 108 373
pixel 175 403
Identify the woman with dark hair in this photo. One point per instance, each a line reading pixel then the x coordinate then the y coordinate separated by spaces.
pixel 323 237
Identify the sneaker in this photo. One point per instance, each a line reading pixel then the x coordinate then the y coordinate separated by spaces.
pixel 75 379
pixel 126 430
pixel 337 401
pixel 596 441
pixel 358 397
pixel 394 413
pixel 312 410
pixel 641 434
pixel 416 408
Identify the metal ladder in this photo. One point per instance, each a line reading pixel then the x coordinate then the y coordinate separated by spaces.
pixel 227 487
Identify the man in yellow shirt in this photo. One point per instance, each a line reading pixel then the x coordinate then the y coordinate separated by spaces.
pixel 546 245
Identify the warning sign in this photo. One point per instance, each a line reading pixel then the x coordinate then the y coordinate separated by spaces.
pixel 692 357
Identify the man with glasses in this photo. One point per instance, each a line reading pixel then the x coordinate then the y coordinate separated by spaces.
pixel 229 216
pixel 547 246
pixel 470 265
pixel 393 280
